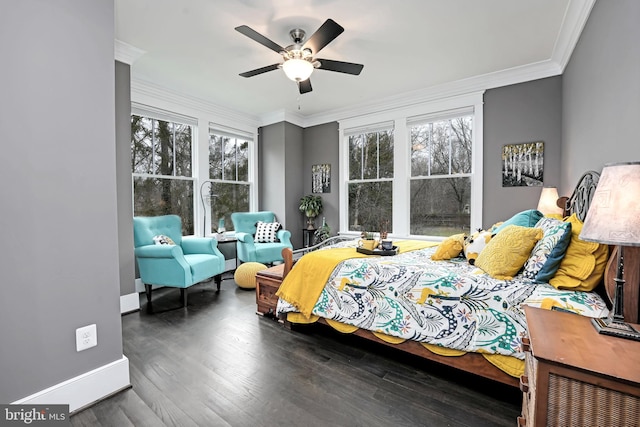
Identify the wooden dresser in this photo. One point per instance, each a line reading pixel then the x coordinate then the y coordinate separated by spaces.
pixel 577 377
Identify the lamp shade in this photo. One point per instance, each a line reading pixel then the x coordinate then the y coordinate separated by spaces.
pixel 614 214
pixel 548 203
pixel 297 70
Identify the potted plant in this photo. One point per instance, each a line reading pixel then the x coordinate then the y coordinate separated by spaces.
pixel 311 206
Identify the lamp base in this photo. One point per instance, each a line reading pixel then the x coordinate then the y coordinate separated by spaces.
pixel 616 329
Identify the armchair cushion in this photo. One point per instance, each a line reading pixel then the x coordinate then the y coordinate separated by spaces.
pixel 266 232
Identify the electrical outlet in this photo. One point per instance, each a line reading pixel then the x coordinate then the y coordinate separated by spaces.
pixel 86 337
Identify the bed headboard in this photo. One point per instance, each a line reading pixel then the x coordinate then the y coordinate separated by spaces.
pixel 580 200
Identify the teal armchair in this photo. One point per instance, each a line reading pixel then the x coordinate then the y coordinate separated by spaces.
pixel 248 250
pixel 189 261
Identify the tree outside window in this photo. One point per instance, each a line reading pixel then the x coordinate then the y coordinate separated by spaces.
pixel 161 164
pixel 370 185
pixel 440 189
pixel 230 188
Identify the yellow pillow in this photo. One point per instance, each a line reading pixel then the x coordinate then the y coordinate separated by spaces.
pixel 507 251
pixel 450 247
pixel 583 264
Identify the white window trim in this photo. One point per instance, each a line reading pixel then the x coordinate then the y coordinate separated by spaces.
pixel 401 117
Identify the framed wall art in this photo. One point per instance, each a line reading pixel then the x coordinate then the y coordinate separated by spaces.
pixel 523 164
pixel 321 178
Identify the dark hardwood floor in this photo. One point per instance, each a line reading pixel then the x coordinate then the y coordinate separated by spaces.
pixel 217 363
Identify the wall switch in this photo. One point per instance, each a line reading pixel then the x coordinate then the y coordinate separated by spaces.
pixel 86 337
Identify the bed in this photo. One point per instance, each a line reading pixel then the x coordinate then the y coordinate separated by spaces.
pixel 448 310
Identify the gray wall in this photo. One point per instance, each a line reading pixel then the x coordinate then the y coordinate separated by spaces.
pixel 123 178
pixel 525 112
pixel 59 266
pixel 601 92
pixel 280 148
pixel 321 145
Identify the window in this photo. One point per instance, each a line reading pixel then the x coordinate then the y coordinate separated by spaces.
pixel 440 185
pixel 370 183
pixel 161 164
pixel 418 167
pixel 229 166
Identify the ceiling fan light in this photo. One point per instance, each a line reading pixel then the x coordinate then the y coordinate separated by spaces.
pixel 297 70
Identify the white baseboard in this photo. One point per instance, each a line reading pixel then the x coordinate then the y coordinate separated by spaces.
pixel 84 389
pixel 129 303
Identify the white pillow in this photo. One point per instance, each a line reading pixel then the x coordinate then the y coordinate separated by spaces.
pixel 161 239
pixel 266 232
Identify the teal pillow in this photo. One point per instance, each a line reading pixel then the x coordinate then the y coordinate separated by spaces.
pixel 557 233
pixel 528 218
pixel 554 258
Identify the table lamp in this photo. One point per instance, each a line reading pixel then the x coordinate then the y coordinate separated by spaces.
pixel 614 219
pixel 548 203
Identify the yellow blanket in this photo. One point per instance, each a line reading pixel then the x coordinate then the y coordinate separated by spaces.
pixel 304 283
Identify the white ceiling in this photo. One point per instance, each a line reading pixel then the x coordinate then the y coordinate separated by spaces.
pixel 407 47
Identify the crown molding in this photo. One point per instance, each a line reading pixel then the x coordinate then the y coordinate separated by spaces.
pixel 145 92
pixel 575 19
pixel 460 87
pixel 282 116
pixel 126 53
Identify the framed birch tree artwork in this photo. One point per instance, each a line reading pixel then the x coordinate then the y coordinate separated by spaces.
pixel 523 164
pixel 321 178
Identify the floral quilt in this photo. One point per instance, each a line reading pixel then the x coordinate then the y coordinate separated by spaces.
pixel 448 303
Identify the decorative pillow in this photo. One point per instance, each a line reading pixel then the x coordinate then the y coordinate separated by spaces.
pixel 266 232
pixel 557 235
pixel 161 239
pixel 475 243
pixel 507 251
pixel 583 264
pixel 450 247
pixel 528 218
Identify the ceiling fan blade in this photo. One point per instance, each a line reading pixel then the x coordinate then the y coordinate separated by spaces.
pixel 304 86
pixel 254 35
pixel 339 66
pixel 260 70
pixel 323 36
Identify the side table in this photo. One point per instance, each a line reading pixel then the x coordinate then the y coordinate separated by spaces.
pixel 307 237
pixel 575 376
pixel 227 246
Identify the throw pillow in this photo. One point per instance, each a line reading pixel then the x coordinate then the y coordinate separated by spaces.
pixel 557 234
pixel 161 239
pixel 583 264
pixel 475 243
pixel 450 247
pixel 266 232
pixel 528 218
pixel 507 251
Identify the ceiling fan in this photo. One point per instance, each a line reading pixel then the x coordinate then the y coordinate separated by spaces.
pixel 299 58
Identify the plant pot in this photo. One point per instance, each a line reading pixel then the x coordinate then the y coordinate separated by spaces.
pixel 311 223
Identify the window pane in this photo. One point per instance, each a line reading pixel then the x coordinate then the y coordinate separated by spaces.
pixel 215 156
pixel 370 156
pixel 420 149
pixel 159 196
pixel 229 161
pixel 243 161
pixel 163 132
pixel 356 142
pixel 461 132
pixel 230 198
pixel 183 149
pixel 440 149
pixel 141 144
pixel 370 205
pixel 386 154
pixel 440 207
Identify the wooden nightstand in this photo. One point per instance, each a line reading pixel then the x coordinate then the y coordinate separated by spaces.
pixel 577 377
pixel 267 284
